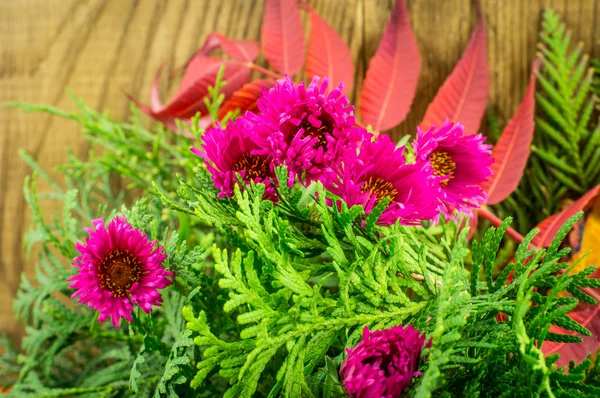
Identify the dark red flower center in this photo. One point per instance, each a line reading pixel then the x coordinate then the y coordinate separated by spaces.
pixel 118 271
pixel 443 166
pixel 254 165
pixel 327 124
pixel 379 187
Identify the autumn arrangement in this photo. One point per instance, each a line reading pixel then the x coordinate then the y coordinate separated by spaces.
pixel 270 239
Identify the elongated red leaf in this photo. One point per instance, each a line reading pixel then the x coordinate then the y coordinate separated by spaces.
pixel 550 226
pixel 283 36
pixel 392 77
pixel 200 73
pixel 512 149
pixel 328 54
pixel 240 50
pixel 588 316
pixel 198 67
pixel 189 100
pixel 463 96
pixel 245 98
pixel 187 103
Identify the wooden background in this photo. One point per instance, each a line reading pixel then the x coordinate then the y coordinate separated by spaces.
pixel 98 48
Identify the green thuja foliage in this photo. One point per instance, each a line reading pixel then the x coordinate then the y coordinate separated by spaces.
pixel 299 292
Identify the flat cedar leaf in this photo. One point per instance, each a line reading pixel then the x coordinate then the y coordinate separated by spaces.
pixel 587 316
pixel 513 147
pixel 328 54
pixel 245 98
pixel 283 36
pixel 240 50
pixel 464 95
pixel 552 224
pixel 392 77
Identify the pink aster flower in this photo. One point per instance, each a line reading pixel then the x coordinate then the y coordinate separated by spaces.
pixel 305 128
pixel 379 171
pixel 119 268
pixel 383 363
pixel 460 163
pixel 231 151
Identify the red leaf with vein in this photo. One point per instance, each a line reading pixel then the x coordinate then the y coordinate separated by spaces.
pixel 200 73
pixel 392 77
pixel 283 36
pixel 464 95
pixel 550 226
pixel 512 149
pixel 198 67
pixel 186 103
pixel 245 98
pixel 240 50
pixel 189 100
pixel 328 54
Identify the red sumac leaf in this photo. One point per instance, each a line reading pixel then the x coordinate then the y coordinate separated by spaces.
pixel 392 77
pixel 283 36
pixel 463 96
pixel 512 149
pixel 245 98
pixel 188 102
pixel 198 67
pixel 550 226
pixel 328 54
pixel 240 50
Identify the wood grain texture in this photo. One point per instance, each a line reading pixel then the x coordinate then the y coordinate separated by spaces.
pixel 98 48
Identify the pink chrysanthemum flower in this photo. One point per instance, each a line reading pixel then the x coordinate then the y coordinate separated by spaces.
pixel 232 151
pixel 305 128
pixel 460 163
pixel 383 363
pixel 119 268
pixel 379 171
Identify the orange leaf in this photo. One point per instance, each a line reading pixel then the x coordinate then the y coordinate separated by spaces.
pixel 464 95
pixel 245 98
pixel 512 150
pixel 550 226
pixel 328 54
pixel 586 240
pixel 392 77
pixel 283 36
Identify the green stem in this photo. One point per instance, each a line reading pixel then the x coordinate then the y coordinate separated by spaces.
pixel 117 336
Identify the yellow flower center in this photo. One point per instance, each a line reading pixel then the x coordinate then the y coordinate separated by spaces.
pixel 380 187
pixel 443 166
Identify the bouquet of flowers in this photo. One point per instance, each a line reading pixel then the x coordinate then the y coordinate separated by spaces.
pixel 270 243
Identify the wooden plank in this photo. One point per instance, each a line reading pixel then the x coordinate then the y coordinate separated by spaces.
pixel 100 47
